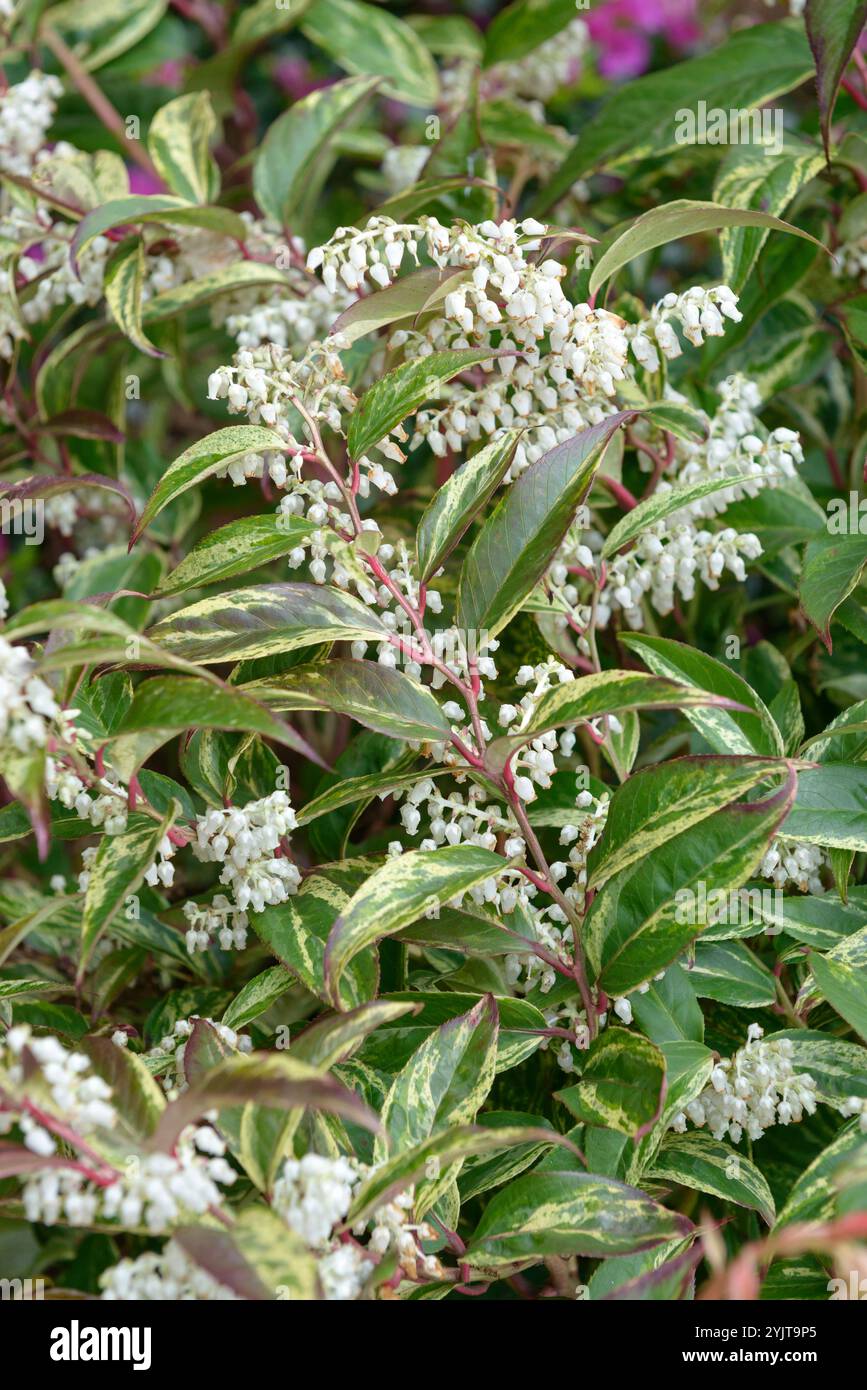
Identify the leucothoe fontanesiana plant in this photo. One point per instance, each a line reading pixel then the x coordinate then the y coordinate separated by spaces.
pixel 436 799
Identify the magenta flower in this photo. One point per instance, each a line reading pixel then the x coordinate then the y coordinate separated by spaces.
pixel 622 29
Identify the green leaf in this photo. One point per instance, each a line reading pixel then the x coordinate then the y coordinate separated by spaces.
pixel 838 1068
pixel 752 730
pixel 461 498
pixel 404 889
pixel 831 807
pixel 242 275
pixel 157 207
pixel 516 543
pixel 448 1146
pixel 136 1094
pixel 844 740
pixel 649 912
pixel 367 39
pixel 266 1079
pixel 264 619
pixel 116 872
pixel 688 1066
pixel 523 26
pixel 677 417
pixel 671 221
pixel 445 1081
pixel 364 788
pixel 622 1084
pixel 236 548
pixel 296 932
pixel 262 19
pixel 15 933
pixel 124 277
pixel 257 996
pixel 102 30
pixel 603 692
pixel 758 178
pixel 833 566
pixel 814 1195
pixel 519 1035
pixel 639 120
pixel 258 1257
pixel 399 394
pixel 405 298
pixel 333 1038
pixel 179 143
pixel 202 460
pixel 169 705
pixel 833 28
pixel 729 972
pixel 662 503
pixel 380 698
pixel 699 1161
pixel 553 1213
pixel 659 801
pixel 668 1010
pixel 297 153
pixel 842 977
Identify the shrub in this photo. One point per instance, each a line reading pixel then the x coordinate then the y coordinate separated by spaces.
pixel 432 696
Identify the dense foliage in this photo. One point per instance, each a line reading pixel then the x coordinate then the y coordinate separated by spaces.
pixel 433 710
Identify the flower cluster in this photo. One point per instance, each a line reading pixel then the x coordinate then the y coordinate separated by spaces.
pixel 75 1093
pixel 698 311
pixel 166 1058
pixel 669 557
pixel 273 389
pixel 104 804
pixel 554 365
pixel 29 712
pixel 313 1195
pixel 795 862
pixel 167 1275
pixel 159 1191
pixel 756 1088
pixel 850 259
pixel 249 842
pixel 26 113
pixel 541 73
pixel 220 921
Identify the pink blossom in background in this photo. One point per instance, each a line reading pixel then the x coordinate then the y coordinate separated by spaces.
pixel 622 30
pixel 297 78
pixel 140 181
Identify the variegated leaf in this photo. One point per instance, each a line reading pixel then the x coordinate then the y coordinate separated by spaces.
pixel 699 1161
pixel 551 1213
pixel 265 619
pixel 404 889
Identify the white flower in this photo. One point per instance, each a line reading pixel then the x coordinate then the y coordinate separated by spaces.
pixel 245 840
pixel 168 1275
pixel 758 1087
pixel 313 1193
